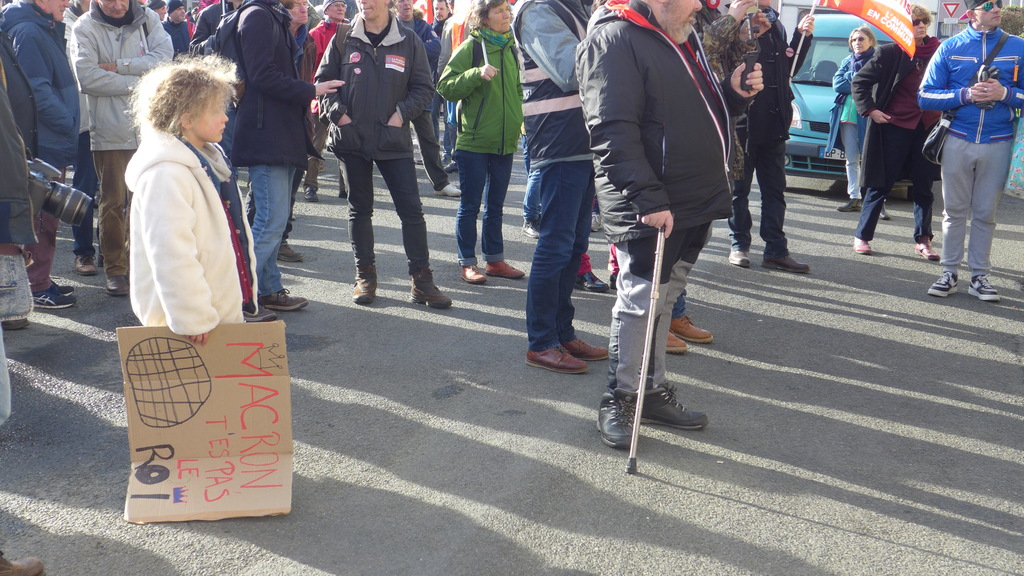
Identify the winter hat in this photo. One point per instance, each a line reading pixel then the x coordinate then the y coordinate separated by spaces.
pixel 329 2
pixel 174 5
pixel 156 4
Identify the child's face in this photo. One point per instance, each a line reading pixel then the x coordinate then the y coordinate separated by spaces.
pixel 204 127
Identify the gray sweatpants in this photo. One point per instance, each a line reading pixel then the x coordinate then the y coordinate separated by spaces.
pixel 973 176
pixel 633 301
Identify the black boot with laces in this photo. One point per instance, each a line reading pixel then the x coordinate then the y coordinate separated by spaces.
pixel 615 419
pixel 662 407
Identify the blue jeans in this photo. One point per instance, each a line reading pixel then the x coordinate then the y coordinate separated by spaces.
pixel 484 179
pixel 679 308
pixel 531 201
pixel 899 148
pixel 566 195
pixel 270 191
pixel 769 161
pixel 85 180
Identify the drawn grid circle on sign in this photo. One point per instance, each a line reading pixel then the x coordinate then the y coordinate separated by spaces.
pixel 169 381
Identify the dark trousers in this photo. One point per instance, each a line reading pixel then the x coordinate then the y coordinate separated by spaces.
pixel 900 147
pixel 768 160
pixel 85 180
pixel 566 194
pixel 400 177
pixel 430 150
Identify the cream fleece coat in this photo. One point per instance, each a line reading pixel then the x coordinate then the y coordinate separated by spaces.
pixel 183 272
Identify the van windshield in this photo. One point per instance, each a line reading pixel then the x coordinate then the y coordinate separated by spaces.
pixel 822 61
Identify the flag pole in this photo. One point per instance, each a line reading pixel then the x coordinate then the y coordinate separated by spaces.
pixel 800 45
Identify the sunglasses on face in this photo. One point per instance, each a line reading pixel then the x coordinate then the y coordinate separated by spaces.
pixel 989 6
pixel 919 22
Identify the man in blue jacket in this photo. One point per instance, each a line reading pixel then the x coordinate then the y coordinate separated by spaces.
pixel 37 30
pixel 976 154
pixel 177 27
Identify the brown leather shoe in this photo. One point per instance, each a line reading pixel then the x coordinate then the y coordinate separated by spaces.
pixel 556 359
pixel 23 567
pixel 501 269
pixel 117 285
pixel 924 248
pixel 675 345
pixel 280 301
pixel 786 264
pixel 683 328
pixel 472 275
pixel 424 291
pixel 85 266
pixel 580 349
pixel 365 291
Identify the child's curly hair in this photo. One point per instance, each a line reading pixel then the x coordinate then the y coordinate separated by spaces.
pixel 187 86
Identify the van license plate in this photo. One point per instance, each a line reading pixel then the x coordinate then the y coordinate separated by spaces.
pixel 833 154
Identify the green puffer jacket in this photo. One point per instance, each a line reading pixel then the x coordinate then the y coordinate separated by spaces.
pixel 490 113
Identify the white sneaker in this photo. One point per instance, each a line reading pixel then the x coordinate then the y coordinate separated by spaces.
pixel 449 190
pixel 982 289
pixel 944 286
pixel 595 222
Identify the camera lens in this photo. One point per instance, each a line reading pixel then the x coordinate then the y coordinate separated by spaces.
pixel 66 203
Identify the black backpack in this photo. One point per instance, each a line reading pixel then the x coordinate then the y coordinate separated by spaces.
pixel 226 42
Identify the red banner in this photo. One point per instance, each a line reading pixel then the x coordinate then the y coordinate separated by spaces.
pixel 892 17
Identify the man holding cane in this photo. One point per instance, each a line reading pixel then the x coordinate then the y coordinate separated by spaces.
pixel 659 123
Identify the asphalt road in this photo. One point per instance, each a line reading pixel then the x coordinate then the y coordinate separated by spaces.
pixel 858 426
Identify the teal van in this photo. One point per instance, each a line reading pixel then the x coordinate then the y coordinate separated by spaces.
pixel 812 86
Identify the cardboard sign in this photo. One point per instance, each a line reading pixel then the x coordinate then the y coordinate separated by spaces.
pixel 209 427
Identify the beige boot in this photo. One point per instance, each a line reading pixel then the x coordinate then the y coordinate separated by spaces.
pixel 425 292
pixel 366 285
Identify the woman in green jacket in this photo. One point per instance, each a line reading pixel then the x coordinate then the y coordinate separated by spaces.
pixel 483 76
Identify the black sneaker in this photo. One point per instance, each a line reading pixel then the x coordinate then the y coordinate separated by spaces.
pixel 52 299
pixel 944 286
pixel 451 168
pixel 65 290
pixel 615 419
pixel 661 407
pixel 982 289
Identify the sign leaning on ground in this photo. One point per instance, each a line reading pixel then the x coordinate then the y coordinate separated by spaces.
pixel 209 427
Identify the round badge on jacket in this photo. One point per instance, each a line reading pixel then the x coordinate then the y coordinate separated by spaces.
pixel 354 57
pixel 357 71
pixel 790 52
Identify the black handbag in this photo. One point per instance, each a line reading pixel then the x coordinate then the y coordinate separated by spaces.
pixel 932 149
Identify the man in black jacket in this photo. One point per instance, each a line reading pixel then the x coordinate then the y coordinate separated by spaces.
pixel 660 129
pixel 270 135
pixel 764 139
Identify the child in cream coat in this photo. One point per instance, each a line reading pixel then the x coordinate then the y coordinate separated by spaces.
pixel 192 263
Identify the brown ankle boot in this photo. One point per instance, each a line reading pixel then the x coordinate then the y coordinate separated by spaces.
pixel 366 285
pixel 425 292
pixel 23 567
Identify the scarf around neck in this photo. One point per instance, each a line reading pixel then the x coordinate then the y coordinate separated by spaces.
pixel 497 38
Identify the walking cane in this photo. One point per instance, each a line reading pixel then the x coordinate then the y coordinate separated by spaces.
pixel 659 256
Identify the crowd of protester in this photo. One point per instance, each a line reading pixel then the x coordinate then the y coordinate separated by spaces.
pixel 604 108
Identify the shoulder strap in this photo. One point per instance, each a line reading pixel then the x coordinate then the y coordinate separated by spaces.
pixel 341 36
pixel 995 51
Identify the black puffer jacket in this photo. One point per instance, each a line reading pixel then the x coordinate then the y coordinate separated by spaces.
pixel 661 135
pixel 378 81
